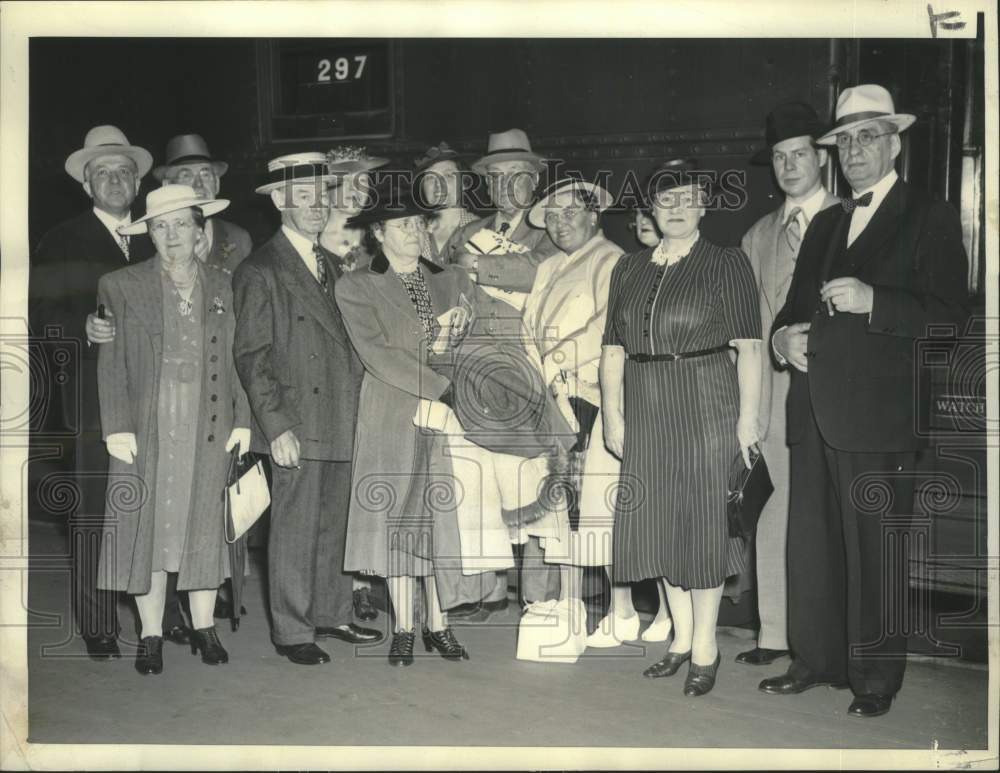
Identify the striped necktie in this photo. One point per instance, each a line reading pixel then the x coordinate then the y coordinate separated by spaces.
pixel 321 274
pixel 123 243
pixel 793 230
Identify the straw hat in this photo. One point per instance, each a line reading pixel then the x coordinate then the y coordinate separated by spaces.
pixel 296 167
pixel 563 192
pixel 860 104
pixel 104 141
pixel 168 199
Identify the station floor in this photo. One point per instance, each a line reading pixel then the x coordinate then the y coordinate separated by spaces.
pixel 492 699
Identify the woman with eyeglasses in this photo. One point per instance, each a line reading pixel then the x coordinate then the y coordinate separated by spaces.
pixel 678 411
pixel 401 517
pixel 172 408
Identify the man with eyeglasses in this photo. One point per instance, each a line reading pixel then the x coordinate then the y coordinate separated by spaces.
pixel 66 267
pixel 872 277
pixel 772 244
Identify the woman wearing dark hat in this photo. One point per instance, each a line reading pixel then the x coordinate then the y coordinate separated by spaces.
pixel 438 181
pixel 677 411
pixel 172 407
pixel 401 518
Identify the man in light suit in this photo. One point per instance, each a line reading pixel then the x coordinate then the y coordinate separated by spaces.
pixel 302 378
pixel 871 277
pixel 512 172
pixel 772 244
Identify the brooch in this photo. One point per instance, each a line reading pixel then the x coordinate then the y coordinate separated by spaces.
pixel 227 249
pixel 218 307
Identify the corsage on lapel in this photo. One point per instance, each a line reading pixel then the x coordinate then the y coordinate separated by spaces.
pixel 218 306
pixel 227 249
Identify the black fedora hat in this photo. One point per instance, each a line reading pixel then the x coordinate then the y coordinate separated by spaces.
pixel 792 119
pixel 390 202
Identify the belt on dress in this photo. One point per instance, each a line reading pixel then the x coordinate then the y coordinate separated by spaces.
pixel 642 357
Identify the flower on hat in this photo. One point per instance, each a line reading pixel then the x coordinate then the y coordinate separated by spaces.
pixel 347 153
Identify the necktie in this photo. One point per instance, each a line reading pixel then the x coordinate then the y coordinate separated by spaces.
pixel 793 230
pixel 123 243
pixel 321 276
pixel 504 228
pixel 850 205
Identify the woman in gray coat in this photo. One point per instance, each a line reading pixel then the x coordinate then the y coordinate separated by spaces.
pixel 171 409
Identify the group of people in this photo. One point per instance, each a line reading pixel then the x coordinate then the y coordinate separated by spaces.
pixel 445 399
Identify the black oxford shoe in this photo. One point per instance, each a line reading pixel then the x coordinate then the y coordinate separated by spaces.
pixel 668 666
pixel 351 633
pixel 102 647
pixel 401 649
pixel 479 612
pixel 307 654
pixel 786 684
pixel 870 705
pixel 760 656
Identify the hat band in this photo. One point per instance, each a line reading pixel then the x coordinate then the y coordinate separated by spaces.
pixel 509 150
pixel 188 160
pixel 109 145
pixel 862 116
pixel 287 174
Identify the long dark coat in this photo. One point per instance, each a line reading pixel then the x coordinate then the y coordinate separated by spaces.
pixel 128 381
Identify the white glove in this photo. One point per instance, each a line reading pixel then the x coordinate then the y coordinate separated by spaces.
pixel 239 436
pixel 435 415
pixel 122 446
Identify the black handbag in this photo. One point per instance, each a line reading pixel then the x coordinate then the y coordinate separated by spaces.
pixel 748 492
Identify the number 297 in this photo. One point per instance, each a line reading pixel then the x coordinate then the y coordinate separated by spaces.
pixel 340 68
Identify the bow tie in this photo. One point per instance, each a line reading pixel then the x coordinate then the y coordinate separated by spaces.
pixel 850 205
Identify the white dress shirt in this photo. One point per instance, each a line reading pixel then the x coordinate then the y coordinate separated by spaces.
pixel 112 223
pixel 305 249
pixel 808 208
pixel 863 215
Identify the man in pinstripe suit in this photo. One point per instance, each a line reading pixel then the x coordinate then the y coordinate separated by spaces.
pixel 772 244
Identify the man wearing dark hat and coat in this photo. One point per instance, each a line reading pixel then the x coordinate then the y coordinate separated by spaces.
pixel 302 378
pixel 871 278
pixel 66 267
pixel 772 244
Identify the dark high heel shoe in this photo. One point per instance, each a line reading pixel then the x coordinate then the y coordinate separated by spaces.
pixel 668 666
pixel 149 656
pixel 701 679
pixel 401 649
pixel 445 643
pixel 207 640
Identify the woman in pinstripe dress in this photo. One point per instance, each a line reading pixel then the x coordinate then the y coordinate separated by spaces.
pixel 674 312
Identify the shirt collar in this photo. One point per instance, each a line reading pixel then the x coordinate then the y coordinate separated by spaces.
pixel 879 190
pixel 514 222
pixel 677 251
pixel 111 222
pixel 301 244
pixel 810 207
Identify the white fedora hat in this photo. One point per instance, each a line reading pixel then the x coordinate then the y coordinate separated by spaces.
pixel 860 104
pixel 104 141
pixel 511 145
pixel 170 198
pixel 296 167
pixel 564 192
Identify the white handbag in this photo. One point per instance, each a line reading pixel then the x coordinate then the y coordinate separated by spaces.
pixel 553 631
pixel 247 495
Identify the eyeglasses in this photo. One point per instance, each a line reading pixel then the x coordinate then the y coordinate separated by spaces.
pixel 103 173
pixel 185 176
pixel 162 227
pixel 864 138
pixel 409 226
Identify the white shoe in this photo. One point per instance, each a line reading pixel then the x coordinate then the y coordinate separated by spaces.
pixel 614 631
pixel 658 631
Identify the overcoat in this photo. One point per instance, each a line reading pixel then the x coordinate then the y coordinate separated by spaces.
pixel 230 244
pixel 128 384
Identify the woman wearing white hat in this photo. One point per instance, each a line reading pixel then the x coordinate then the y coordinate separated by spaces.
pixel 171 405
pixel 564 318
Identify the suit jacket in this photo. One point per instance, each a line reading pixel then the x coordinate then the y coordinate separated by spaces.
pixel 861 381
pixel 230 245
pixel 65 269
pixel 293 354
pixel 773 277
pixel 129 377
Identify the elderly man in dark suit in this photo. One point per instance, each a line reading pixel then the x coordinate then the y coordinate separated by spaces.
pixel 66 267
pixel 302 378
pixel 772 244
pixel 870 279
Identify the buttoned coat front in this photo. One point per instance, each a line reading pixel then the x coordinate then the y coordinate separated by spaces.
pixel 128 382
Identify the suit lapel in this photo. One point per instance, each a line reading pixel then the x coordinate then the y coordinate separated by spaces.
pixel 292 272
pixel 882 226
pixel 108 244
pixel 835 244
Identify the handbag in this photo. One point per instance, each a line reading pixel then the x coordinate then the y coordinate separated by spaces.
pixel 246 494
pixel 748 492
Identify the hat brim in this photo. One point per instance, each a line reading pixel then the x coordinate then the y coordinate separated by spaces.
pixel 903 121
pixel 381 215
pixel 273 186
pixel 78 160
pixel 339 168
pixel 220 167
pixel 479 166
pixel 536 215
pixel 208 208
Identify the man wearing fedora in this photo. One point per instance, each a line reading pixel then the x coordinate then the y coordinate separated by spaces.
pixel 69 261
pixel 507 273
pixel 302 378
pixel 772 244
pixel 871 277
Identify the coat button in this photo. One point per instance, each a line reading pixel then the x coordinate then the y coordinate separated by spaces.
pixel 215 377
pixel 214 416
pixel 214 398
pixel 301 318
pixel 214 339
pixel 211 438
pixel 213 358
pixel 315 390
